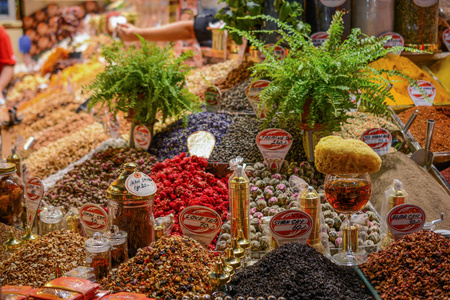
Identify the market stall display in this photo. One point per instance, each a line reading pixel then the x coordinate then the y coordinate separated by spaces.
pixel 4 236
pixel 360 122
pixel 202 77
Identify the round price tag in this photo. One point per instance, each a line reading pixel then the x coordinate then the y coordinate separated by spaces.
pixel 417 97
pixel 291 225
pixel 34 189
pixel 114 126
pixel 278 51
pixel 93 218
pixel 396 40
pixel 274 139
pixel 142 137
pixel 319 38
pixel 446 38
pixel 332 3
pixel 425 3
pixel 140 184
pixel 200 223
pixel 213 96
pixel 378 139
pixel 252 91
pixel 405 219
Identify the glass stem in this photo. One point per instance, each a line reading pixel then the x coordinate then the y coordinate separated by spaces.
pixel 349 238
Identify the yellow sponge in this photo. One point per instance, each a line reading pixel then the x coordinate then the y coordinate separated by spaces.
pixel 335 155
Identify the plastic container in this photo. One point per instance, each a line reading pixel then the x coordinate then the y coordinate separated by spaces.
pixel 98 255
pixel 12 195
pixel 119 248
pixel 51 219
pixel 319 14
pixel 373 17
pixel 417 21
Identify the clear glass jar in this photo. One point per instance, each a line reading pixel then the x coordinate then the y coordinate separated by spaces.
pixel 131 213
pixel 119 248
pixel 319 14
pixel 50 219
pixel 373 17
pixel 98 255
pixel 417 21
pixel 11 195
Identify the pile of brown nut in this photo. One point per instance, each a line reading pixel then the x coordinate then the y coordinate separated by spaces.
pixel 171 268
pixel 4 232
pixel 35 263
pixel 415 267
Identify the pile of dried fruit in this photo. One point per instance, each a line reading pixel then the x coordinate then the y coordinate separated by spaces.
pixel 61 153
pixel 35 263
pixel 88 181
pixel 171 268
pixel 182 182
pixel 173 141
pixel 270 194
pixel 415 267
pixel 4 232
pixel 360 122
pixel 297 271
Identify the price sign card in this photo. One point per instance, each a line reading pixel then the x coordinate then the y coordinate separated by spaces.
pixel 274 144
pixel 291 226
pixel 446 38
pixel 319 38
pixel 395 41
pixel 417 97
pixel 252 91
pixel 113 125
pixel 200 223
pixel 405 219
pixel 93 218
pixel 142 137
pixel 34 190
pixel 278 51
pixel 378 139
pixel 213 96
pixel 140 184
pixel 201 143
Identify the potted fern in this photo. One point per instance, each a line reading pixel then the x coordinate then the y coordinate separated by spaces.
pixel 146 82
pixel 313 87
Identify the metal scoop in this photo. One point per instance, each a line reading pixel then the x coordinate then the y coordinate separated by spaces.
pixel 399 137
pixel 424 157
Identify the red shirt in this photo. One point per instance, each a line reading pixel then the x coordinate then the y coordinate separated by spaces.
pixel 6 51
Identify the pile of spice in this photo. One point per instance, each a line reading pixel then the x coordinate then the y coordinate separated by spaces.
pixel 446 174
pixel 173 140
pixel 440 114
pixel 235 100
pixel 182 182
pixel 415 267
pixel 210 74
pixel 171 268
pixel 35 263
pixel 360 122
pixel 4 232
pixel 61 153
pixel 88 181
pixel 297 271
pixel 422 188
pixel 270 194
pixel 441 69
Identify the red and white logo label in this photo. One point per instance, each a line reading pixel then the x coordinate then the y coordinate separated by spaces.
pixel 93 218
pixel 142 137
pixel 274 144
pixel 291 225
pixel 332 3
pixel 252 91
pixel 34 189
pixel 200 223
pixel 425 3
pixel 378 139
pixel 446 38
pixel 278 51
pixel 405 219
pixel 417 97
pixel 114 126
pixel 213 96
pixel 319 38
pixel 140 184
pixel 395 41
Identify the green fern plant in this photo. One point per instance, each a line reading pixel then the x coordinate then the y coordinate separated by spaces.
pixel 147 80
pixel 322 80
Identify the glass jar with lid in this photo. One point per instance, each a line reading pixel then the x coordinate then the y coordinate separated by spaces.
pixel 50 219
pixel 98 255
pixel 373 17
pixel 131 213
pixel 319 14
pixel 119 248
pixel 11 195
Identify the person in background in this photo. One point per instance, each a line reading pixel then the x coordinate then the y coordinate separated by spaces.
pixel 7 62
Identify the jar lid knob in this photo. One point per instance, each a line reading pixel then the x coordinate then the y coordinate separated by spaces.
pixel 114 230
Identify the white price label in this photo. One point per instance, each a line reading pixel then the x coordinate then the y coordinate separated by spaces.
pixel 417 97
pixel 140 184
pixel 332 3
pixel 142 137
pixel 425 3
